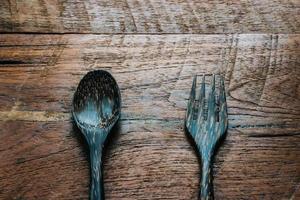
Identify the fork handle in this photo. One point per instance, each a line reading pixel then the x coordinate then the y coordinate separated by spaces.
pixel 206 192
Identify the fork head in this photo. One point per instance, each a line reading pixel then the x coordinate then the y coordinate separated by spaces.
pixel 206 116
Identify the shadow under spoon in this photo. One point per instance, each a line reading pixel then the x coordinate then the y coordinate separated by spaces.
pixel 96 108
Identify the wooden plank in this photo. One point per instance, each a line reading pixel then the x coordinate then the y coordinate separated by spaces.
pixel 155 16
pixel 261 72
pixel 149 151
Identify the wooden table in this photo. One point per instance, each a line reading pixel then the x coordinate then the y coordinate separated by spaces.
pixel 152 48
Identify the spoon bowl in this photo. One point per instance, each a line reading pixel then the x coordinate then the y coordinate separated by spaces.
pixel 96 109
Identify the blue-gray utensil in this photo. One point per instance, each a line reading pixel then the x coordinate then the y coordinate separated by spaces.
pixel 96 108
pixel 206 122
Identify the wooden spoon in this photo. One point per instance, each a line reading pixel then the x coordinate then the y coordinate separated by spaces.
pixel 96 108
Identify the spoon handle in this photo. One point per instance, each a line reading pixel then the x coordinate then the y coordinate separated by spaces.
pixel 96 191
pixel 206 192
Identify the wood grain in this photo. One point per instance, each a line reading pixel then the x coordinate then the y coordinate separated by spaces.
pixel 155 16
pixel 149 157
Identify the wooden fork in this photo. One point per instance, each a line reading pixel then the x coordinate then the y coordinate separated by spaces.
pixel 206 121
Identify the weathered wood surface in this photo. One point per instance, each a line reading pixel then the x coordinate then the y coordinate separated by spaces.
pixel 43 155
pixel 151 16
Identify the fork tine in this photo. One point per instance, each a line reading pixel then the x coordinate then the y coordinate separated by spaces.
pixel 201 101
pixel 211 117
pixel 223 107
pixel 202 90
pixel 190 109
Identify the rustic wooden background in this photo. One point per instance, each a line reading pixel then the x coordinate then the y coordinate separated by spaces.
pixel 152 48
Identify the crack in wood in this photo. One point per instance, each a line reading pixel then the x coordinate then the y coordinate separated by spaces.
pixel 276 135
pixel 13 62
